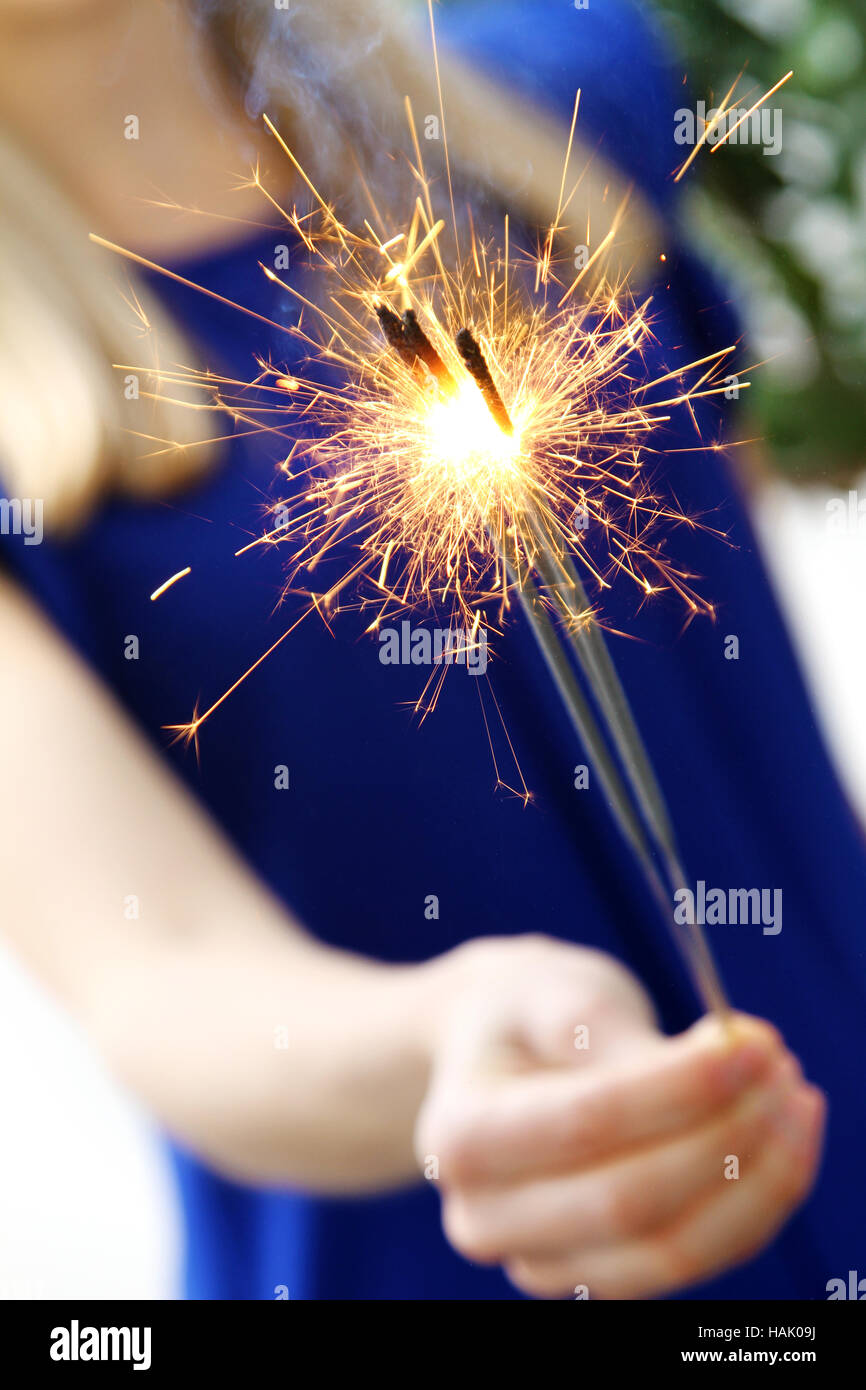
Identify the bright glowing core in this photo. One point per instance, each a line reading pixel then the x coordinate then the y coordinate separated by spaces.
pixel 465 438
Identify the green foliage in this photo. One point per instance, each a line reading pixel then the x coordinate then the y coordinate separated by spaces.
pixel 789 230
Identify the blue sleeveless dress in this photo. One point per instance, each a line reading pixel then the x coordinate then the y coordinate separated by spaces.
pixel 377 818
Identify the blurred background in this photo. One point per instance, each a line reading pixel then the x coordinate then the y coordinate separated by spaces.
pixel 86 1204
pixel 789 231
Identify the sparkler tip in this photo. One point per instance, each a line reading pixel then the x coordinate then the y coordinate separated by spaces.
pixel 393 332
pixel 476 364
pixel 418 343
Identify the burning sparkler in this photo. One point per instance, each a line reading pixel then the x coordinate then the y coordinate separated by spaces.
pixel 488 420
pixel 561 580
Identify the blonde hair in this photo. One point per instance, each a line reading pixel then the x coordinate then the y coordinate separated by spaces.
pixel 71 427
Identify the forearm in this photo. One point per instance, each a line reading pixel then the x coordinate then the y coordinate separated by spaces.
pixel 278 1065
pixel 275 1058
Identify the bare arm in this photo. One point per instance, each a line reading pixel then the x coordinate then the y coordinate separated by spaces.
pixel 273 1056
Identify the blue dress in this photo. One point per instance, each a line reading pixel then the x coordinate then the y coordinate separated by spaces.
pixel 376 818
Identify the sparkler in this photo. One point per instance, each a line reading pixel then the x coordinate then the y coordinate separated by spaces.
pixel 560 578
pixel 487 420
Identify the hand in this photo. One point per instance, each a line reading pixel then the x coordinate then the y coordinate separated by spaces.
pixel 581 1149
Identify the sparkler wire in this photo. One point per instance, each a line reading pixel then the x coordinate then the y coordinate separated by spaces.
pixel 588 645
pixel 584 638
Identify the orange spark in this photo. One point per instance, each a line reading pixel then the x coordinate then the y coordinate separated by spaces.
pixel 181 574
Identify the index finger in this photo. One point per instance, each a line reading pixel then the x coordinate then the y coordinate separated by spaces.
pixel 549 1121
